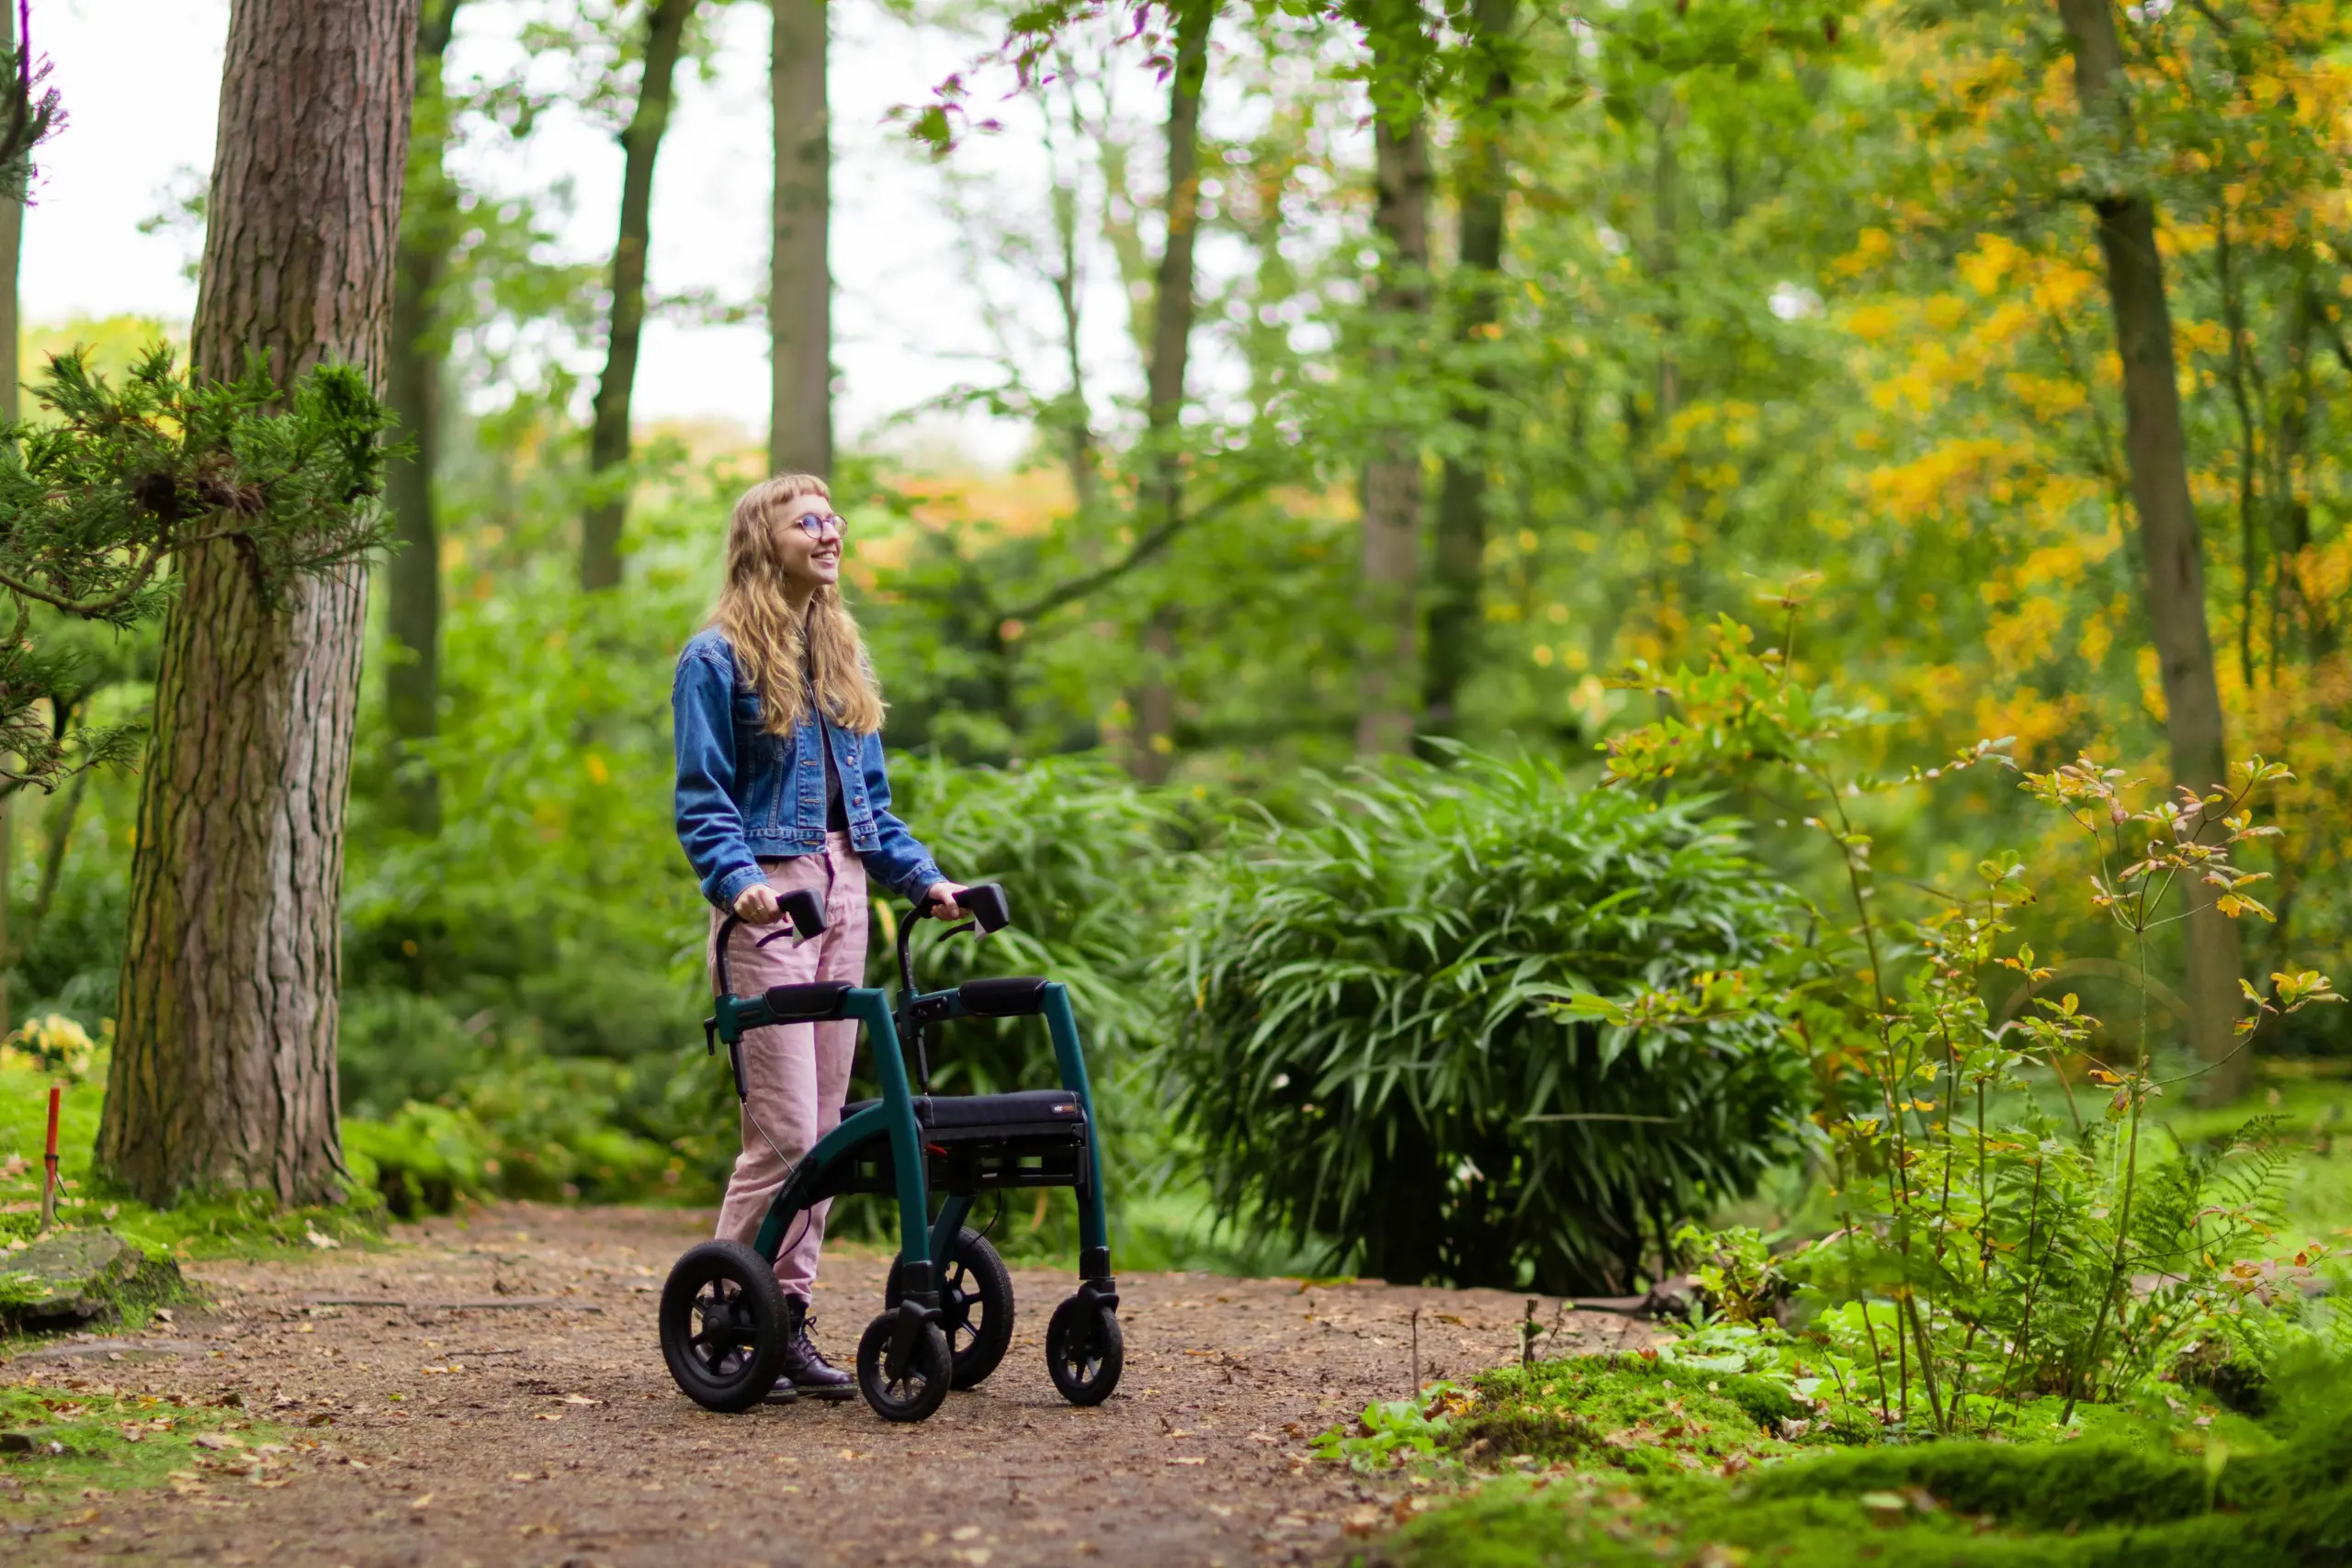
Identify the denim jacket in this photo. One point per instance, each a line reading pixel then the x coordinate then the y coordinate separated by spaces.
pixel 741 795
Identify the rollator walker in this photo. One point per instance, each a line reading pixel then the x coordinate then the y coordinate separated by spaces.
pixel 948 1309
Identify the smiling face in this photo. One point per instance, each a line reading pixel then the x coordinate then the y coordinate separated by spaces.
pixel 809 563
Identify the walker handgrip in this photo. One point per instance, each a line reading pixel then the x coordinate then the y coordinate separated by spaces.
pixel 804 910
pixel 985 904
pixel 814 999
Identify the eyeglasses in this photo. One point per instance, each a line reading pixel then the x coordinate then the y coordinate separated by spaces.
pixel 814 523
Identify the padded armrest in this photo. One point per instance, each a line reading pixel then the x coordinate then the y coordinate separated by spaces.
pixel 1011 996
pixel 818 999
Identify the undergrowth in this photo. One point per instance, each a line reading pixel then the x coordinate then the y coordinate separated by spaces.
pixel 228 1224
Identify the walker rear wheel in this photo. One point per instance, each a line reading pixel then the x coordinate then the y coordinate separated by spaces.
pixel 722 1325
pixel 975 1306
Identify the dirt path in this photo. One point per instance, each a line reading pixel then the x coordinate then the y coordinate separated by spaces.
pixel 544 1430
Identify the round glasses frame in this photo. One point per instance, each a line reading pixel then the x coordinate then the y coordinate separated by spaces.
pixel 813 524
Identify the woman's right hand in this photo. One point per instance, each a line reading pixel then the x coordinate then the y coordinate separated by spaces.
pixel 756 904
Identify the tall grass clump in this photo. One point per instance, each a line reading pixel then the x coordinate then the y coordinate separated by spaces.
pixel 1375 1049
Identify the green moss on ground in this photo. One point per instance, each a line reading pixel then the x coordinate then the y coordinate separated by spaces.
pixel 1622 1412
pixel 1626 1462
pixel 231 1225
pixel 57 1441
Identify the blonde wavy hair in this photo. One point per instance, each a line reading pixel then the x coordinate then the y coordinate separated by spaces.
pixel 772 645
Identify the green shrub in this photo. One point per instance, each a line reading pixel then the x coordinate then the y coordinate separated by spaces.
pixel 1088 860
pixel 1377 1049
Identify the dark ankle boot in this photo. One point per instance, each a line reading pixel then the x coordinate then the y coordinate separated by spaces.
pixel 805 1370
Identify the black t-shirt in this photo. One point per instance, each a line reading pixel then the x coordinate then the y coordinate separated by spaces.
pixel 836 812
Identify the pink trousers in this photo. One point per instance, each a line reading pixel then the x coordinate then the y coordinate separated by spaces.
pixel 794 1075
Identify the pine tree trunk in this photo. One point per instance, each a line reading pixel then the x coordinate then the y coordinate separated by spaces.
pixel 1456 617
pixel 608 435
pixel 1174 307
pixel 412 384
pixel 801 284
pixel 12 244
pixel 2156 449
pixel 224 1069
pixel 1392 477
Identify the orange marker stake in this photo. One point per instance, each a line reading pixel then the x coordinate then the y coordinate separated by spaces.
pixel 48 1160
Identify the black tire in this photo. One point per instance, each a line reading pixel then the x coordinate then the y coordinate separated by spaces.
pixel 921 1386
pixel 1084 1351
pixel 975 1307
pixel 722 1325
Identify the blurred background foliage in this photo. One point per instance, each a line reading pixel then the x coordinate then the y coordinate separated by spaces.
pixel 1779 295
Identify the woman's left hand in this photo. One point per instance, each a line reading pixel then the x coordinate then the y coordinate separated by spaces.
pixel 940 899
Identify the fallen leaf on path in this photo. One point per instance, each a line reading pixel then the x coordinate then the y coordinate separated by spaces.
pixel 421 1500
pixel 542 1416
pixel 1187 1458
pixel 580 1399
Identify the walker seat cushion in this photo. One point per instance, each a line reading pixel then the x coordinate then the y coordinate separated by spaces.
pixel 1025 1112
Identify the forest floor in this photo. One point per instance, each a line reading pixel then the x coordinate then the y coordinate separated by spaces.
pixel 501 1399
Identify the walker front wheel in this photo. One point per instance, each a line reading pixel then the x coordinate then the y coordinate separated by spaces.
pixel 1084 1349
pixel 907 1388
pixel 722 1325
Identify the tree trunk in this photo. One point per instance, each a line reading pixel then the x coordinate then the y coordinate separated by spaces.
pixel 224 1070
pixel 12 244
pixel 2156 451
pixel 608 436
pixel 800 285
pixel 1392 477
pixel 1171 344
pixel 1456 617
pixel 413 383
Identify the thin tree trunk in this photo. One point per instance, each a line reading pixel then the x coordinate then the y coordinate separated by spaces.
pixel 608 435
pixel 1481 181
pixel 801 285
pixel 224 1069
pixel 1078 419
pixel 2156 451
pixel 1392 477
pixel 58 829
pixel 412 387
pixel 1171 344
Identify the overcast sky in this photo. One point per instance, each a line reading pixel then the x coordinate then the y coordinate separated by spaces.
pixel 140 81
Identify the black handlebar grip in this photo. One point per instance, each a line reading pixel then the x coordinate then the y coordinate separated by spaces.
pixel 987 905
pixel 804 910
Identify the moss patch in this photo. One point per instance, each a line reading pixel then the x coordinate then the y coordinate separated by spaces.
pixel 2188 1485
pixel 58 1440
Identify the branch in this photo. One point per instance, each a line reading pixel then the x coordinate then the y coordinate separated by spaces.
pixel 1151 544
pixel 93 609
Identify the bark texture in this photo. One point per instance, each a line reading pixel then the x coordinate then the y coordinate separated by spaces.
pixel 1392 476
pixel 800 282
pixel 1174 308
pixel 413 386
pixel 2156 450
pixel 1457 617
pixel 608 435
pixel 224 1069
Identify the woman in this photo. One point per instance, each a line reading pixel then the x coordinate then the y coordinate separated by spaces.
pixel 780 785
